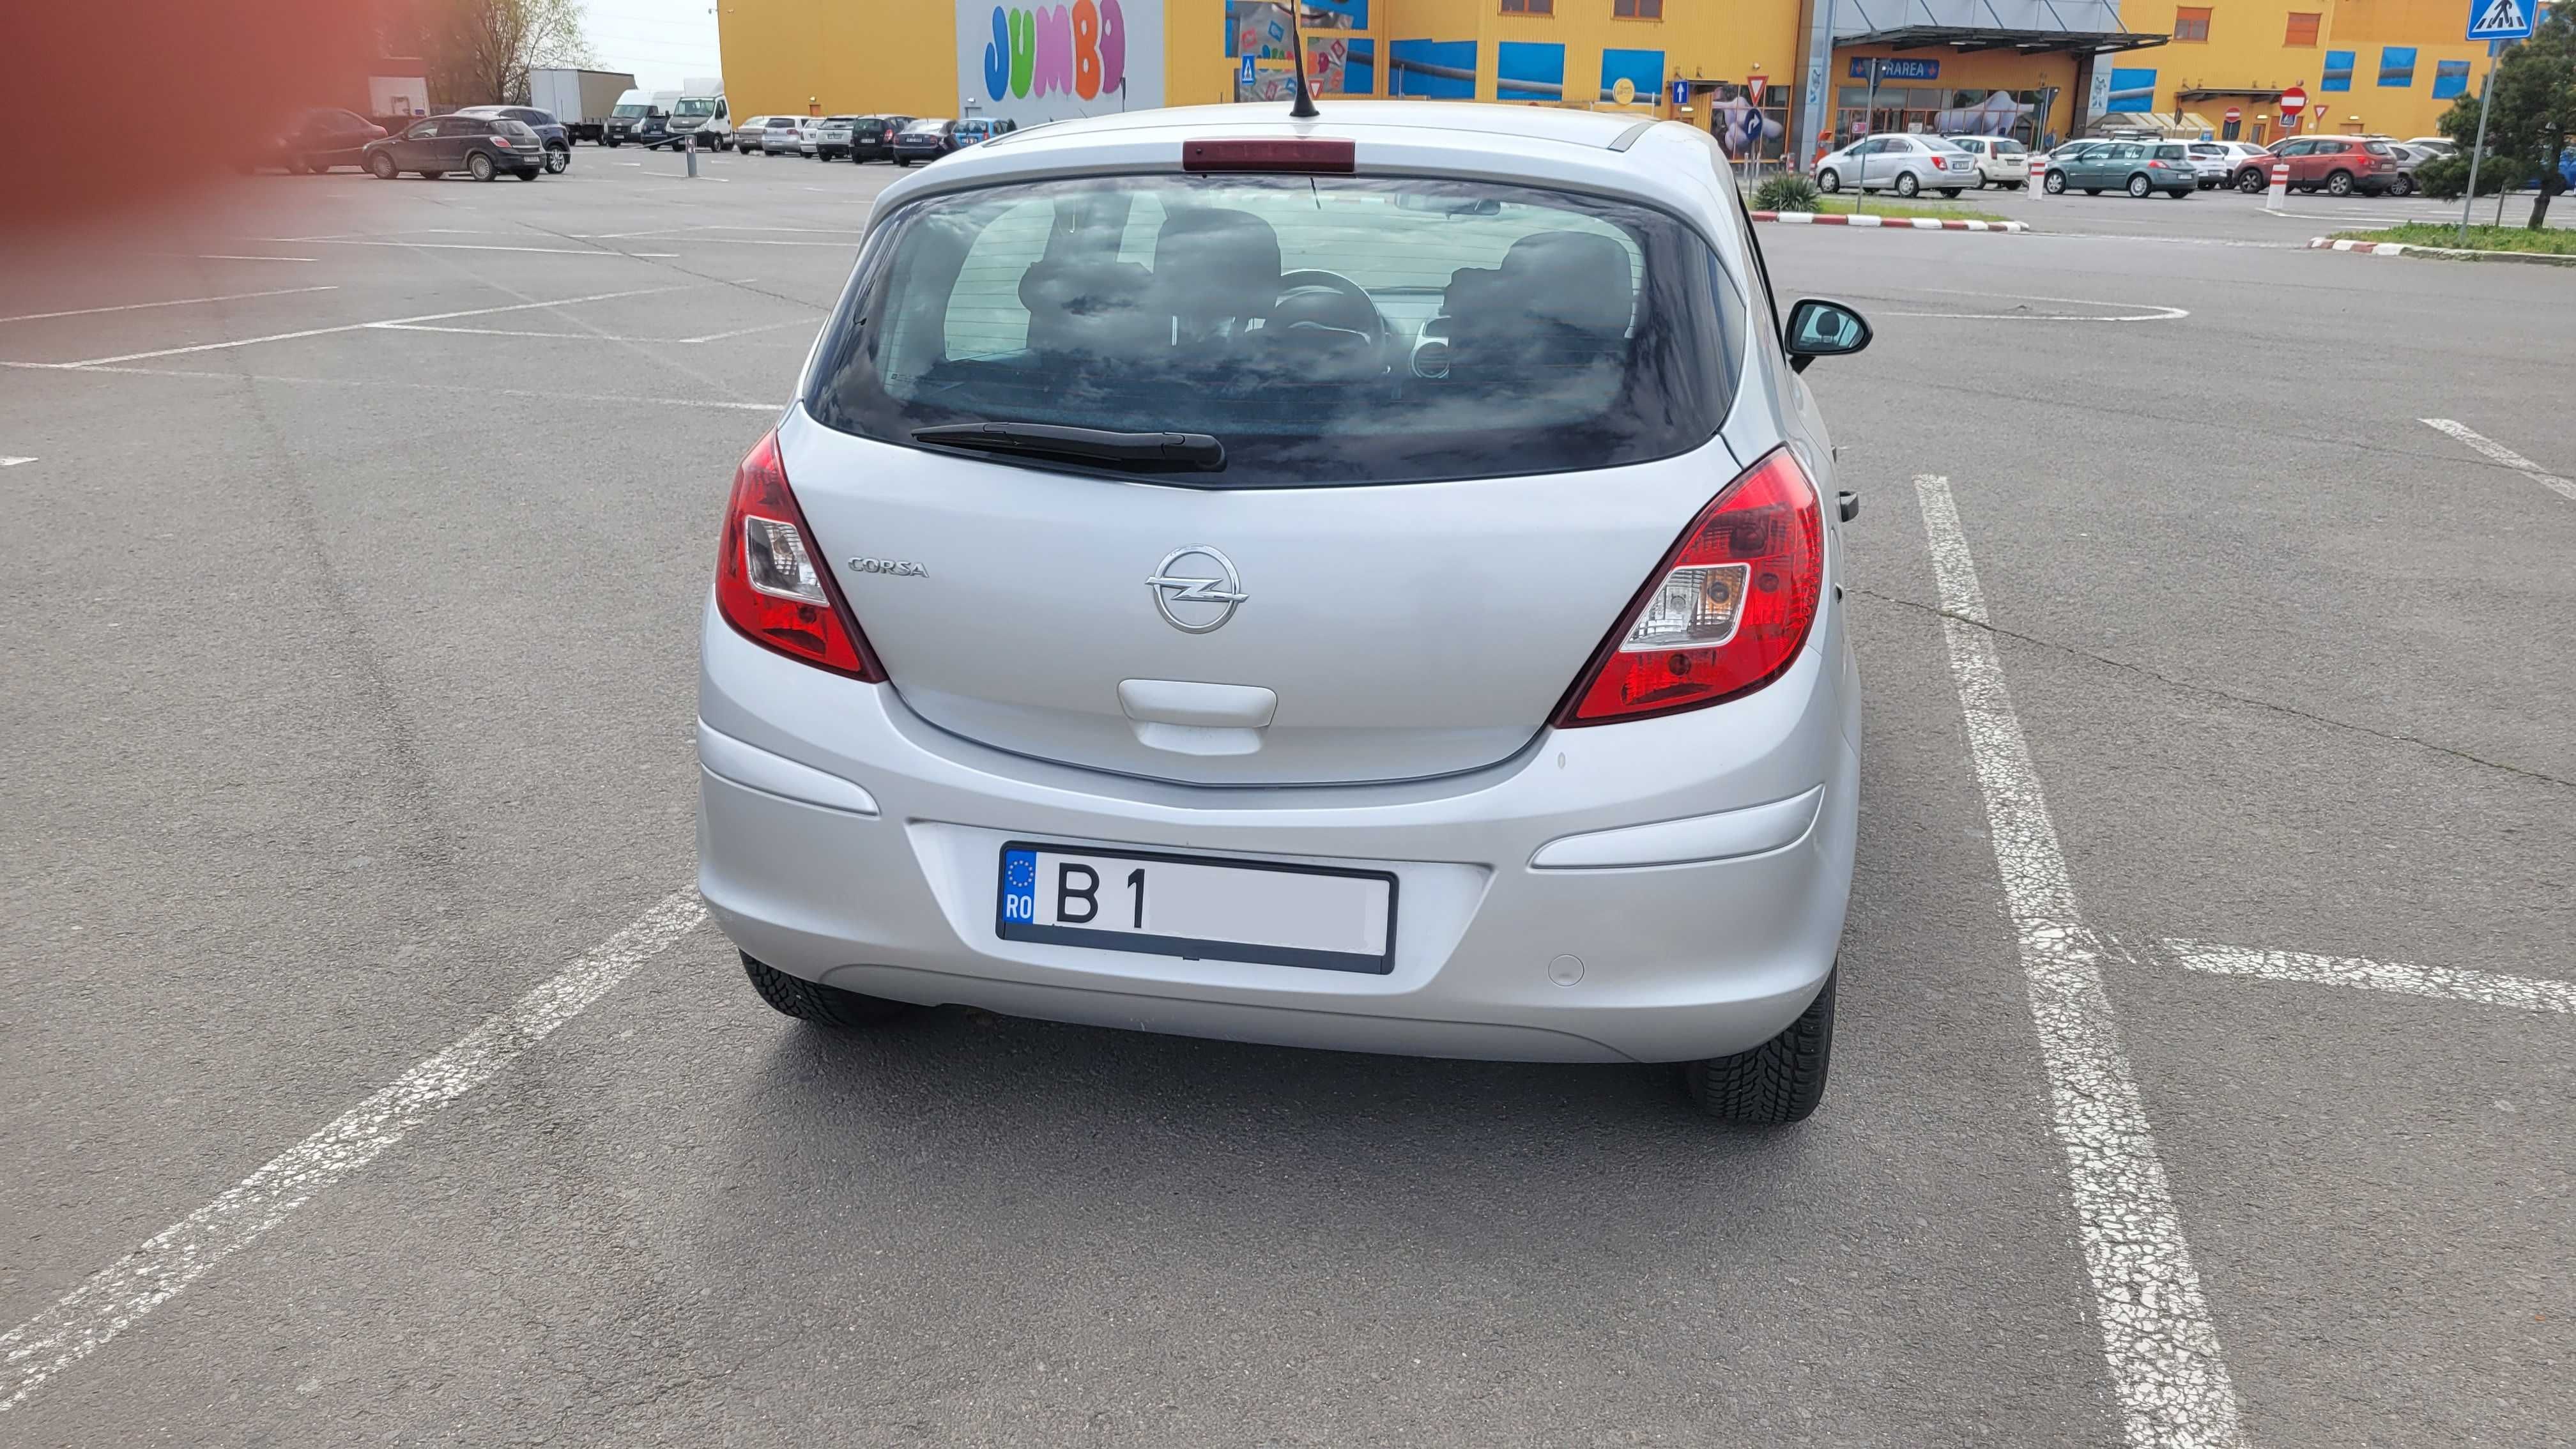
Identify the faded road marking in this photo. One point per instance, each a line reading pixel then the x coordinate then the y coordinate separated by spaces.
pixel 2487 988
pixel 109 1303
pixel 2504 455
pixel 173 302
pixel 2164 1355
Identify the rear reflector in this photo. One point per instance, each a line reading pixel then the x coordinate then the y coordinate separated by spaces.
pixel 1725 612
pixel 1317 155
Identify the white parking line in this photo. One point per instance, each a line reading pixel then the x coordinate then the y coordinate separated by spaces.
pixel 2487 988
pixel 471 247
pixel 2504 455
pixel 173 302
pixel 387 323
pixel 374 384
pixel 2164 1355
pixel 109 1303
pixel 14 462
pixel 236 257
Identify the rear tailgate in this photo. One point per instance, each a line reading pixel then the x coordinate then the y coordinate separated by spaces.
pixel 1403 630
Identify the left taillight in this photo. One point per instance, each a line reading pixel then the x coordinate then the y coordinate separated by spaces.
pixel 771 582
pixel 1724 613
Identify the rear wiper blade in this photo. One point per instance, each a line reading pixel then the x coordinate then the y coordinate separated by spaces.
pixel 1198 452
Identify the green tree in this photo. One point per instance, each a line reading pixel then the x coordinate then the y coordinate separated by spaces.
pixel 2535 110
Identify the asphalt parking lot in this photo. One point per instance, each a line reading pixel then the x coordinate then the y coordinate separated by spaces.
pixel 2207 1071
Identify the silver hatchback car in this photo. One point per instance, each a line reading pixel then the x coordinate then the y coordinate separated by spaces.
pixel 1370 583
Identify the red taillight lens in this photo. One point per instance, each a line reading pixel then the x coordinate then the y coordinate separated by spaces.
pixel 1727 609
pixel 770 582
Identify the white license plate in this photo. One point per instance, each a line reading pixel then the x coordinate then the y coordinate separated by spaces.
pixel 1197 908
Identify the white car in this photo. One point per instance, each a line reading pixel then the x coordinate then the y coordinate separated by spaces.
pixel 1904 164
pixel 2001 160
pixel 746 135
pixel 2217 162
pixel 1193 622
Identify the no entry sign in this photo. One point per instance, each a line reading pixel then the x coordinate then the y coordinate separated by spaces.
pixel 2293 101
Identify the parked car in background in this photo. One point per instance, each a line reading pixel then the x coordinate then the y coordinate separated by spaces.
pixel 2408 158
pixel 2140 168
pixel 554 134
pixel 976 129
pixel 640 117
pixel 808 131
pixel 1636 741
pixel 1904 164
pixel 480 147
pixel 923 139
pixel 2339 165
pixel 2438 145
pixel 778 138
pixel 746 136
pixel 317 139
pixel 2217 162
pixel 2001 160
pixel 872 139
pixel 832 137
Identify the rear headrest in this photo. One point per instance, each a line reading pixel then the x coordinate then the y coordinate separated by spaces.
pixel 1098 307
pixel 1211 263
pixel 1570 278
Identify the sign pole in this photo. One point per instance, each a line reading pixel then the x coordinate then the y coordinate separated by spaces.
pixel 1868 127
pixel 2486 103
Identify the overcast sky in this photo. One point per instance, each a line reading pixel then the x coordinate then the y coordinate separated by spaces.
pixel 660 41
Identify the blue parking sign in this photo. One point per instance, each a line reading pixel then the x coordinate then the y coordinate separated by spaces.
pixel 1248 68
pixel 2501 19
pixel 1681 93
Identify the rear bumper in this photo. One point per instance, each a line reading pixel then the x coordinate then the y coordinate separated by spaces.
pixel 843 840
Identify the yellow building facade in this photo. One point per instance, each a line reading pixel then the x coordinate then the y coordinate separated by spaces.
pixel 1779 78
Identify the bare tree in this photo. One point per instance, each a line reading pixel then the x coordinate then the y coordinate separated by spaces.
pixel 480 51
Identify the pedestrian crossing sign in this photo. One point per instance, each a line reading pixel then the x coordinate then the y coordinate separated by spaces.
pixel 2500 19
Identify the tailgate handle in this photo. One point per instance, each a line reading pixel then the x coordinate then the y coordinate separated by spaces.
pixel 1183 702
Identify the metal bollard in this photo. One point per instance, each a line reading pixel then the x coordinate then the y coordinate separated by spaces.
pixel 692 149
pixel 2280 191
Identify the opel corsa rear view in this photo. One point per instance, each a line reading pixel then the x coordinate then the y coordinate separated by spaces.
pixel 1366 582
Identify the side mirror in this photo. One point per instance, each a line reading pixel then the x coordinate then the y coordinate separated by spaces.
pixel 1818 328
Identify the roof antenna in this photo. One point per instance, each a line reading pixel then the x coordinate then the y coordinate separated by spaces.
pixel 1304 108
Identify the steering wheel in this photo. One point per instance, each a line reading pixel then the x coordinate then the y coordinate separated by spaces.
pixel 1332 306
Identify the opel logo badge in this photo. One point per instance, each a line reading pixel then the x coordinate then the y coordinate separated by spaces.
pixel 1196 589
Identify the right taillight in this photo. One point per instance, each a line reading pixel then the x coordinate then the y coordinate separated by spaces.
pixel 773 585
pixel 1727 609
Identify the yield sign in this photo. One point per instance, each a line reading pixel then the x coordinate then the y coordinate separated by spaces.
pixel 2500 19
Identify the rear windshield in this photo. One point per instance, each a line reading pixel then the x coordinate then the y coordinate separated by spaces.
pixel 1324 329
pixel 925 125
pixel 2005 146
pixel 2172 153
pixel 2376 148
pixel 512 128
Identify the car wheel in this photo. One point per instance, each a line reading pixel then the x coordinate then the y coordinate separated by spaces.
pixel 1829 181
pixel 830 1006
pixel 558 161
pixel 480 167
pixel 903 161
pixel 611 142
pixel 1906 185
pixel 2054 183
pixel 2339 184
pixel 2092 190
pixel 1951 191
pixel 2402 186
pixel 529 173
pixel 431 175
pixel 382 166
pixel 2249 181
pixel 1777 1082
pixel 2139 187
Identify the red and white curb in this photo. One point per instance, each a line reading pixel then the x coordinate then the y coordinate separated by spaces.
pixel 2448 254
pixel 1891 223
pixel 2376 249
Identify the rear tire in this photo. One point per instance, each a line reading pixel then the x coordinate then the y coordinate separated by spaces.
pixel 2402 186
pixel 480 167
pixel 2339 184
pixel 2139 188
pixel 826 1005
pixel 1906 185
pixel 1951 192
pixel 1778 1082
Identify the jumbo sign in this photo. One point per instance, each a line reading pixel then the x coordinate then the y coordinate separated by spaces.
pixel 1043 62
